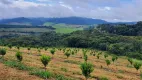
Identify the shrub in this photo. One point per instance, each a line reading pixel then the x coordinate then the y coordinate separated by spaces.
pixel 137 65
pixel 19 56
pixel 2 52
pixel 85 58
pixel 130 60
pixel 98 56
pixel 45 49
pixel 52 51
pixel 103 78
pixel 10 46
pixel 87 68
pixel 45 60
pixel 108 62
pixel 113 59
pixel 67 54
pixel 106 55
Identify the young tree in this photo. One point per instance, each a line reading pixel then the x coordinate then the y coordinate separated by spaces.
pixel 67 54
pixel 45 60
pixel 130 60
pixel 2 52
pixel 113 59
pixel 87 69
pixel 29 49
pixel 10 46
pixel 18 47
pixel 19 56
pixel 52 52
pixel 98 56
pixel 108 62
pixel 85 58
pixel 45 48
pixel 137 65
pixel 106 55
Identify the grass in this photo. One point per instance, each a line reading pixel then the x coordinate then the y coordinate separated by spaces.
pixel 63 28
pixel 15 64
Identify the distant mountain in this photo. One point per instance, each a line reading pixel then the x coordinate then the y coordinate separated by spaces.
pixel 66 20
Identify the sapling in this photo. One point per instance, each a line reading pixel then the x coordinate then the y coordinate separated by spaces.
pixel 19 56
pixel 113 59
pixel 137 65
pixel 106 55
pixel 108 62
pixel 45 60
pixel 29 50
pixel 87 69
pixel 52 51
pixel 67 54
pixel 130 60
pixel 2 52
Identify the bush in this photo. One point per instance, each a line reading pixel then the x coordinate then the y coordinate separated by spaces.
pixel 2 52
pixel 67 54
pixel 45 60
pixel 52 51
pixel 19 56
pixel 108 62
pixel 130 60
pixel 87 68
pixel 137 65
pixel 103 78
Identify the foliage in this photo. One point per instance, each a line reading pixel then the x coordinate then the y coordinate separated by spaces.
pixel 52 51
pixel 87 68
pixel 19 56
pixel 45 60
pixel 108 62
pixel 130 60
pixel 137 65
pixel 67 54
pixel 2 52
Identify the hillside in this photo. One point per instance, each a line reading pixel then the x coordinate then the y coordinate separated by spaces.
pixel 65 20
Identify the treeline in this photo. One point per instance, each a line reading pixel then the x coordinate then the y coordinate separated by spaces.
pixel 122 29
pixel 95 38
pixel 24 26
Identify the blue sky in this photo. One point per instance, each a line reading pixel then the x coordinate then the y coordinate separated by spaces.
pixel 110 10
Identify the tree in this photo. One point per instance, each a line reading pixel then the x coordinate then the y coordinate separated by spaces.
pixel 87 69
pixel 29 49
pixel 106 55
pixel 52 51
pixel 98 56
pixel 19 56
pixel 10 46
pixel 130 60
pixel 137 65
pixel 113 59
pixel 45 60
pixel 67 54
pixel 2 52
pixel 18 47
pixel 45 48
pixel 85 58
pixel 108 62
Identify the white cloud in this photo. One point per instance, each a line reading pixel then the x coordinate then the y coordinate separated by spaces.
pixel 111 10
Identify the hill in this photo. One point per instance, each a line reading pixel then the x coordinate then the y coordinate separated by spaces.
pixel 65 20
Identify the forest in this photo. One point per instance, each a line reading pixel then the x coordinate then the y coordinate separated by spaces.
pixel 118 39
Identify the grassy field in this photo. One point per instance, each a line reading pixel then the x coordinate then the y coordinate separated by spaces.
pixel 70 67
pixel 64 28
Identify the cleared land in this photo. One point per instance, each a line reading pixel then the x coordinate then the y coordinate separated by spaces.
pixel 119 70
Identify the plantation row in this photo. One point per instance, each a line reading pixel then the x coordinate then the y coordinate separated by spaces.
pixel 86 67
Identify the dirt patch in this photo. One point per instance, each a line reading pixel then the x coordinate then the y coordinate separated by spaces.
pixel 7 73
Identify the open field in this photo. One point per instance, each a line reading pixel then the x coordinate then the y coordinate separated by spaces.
pixel 64 28
pixel 119 70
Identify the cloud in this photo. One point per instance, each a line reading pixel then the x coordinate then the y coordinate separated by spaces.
pixel 110 10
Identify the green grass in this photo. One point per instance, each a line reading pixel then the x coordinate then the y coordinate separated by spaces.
pixel 63 28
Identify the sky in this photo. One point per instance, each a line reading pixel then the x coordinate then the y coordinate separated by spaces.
pixel 109 10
